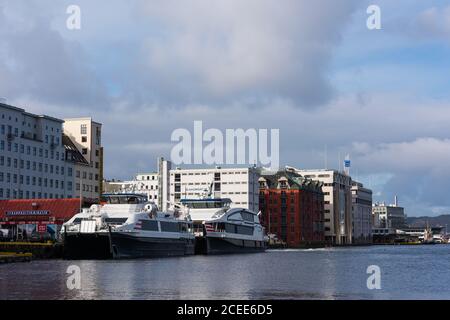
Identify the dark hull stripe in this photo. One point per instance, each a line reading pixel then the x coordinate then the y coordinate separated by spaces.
pixel 226 246
pixel 123 246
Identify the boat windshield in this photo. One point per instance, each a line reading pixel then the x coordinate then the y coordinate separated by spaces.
pixel 207 204
pixel 123 199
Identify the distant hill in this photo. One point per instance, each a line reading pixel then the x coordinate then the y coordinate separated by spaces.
pixel 439 221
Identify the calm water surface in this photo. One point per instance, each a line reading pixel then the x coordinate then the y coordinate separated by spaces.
pixel 407 272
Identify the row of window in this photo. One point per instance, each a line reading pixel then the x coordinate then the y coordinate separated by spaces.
pixel 24 123
pixel 86 175
pixel 33 165
pixel 34 181
pixel 14 194
pixel 86 187
pixel 20 148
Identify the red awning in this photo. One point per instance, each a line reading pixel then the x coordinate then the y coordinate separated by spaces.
pixel 38 210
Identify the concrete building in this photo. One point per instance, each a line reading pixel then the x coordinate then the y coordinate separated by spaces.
pixel 338 203
pixel 361 214
pixel 32 156
pixel 292 208
pixel 389 216
pixel 143 183
pixel 238 184
pixel 86 136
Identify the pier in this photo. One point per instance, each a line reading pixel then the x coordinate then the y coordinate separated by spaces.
pixel 8 257
pixel 37 250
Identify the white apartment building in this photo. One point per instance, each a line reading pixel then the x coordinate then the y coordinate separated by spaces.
pixel 338 203
pixel 86 136
pixel 144 183
pixel 361 214
pixel 32 156
pixel 238 184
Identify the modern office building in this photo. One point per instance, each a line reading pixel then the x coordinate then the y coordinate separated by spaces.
pixel 338 203
pixel 238 184
pixel 32 156
pixel 389 216
pixel 292 208
pixel 86 137
pixel 361 214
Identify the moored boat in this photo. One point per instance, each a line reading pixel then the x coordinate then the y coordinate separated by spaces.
pixel 220 229
pixel 127 226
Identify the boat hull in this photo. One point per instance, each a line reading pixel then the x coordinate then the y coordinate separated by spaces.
pixel 228 245
pixel 123 246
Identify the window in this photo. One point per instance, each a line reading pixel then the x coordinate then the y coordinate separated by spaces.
pixel 84 151
pixel 83 139
pixel 83 129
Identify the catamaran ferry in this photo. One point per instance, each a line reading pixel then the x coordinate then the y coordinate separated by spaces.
pixel 221 229
pixel 127 226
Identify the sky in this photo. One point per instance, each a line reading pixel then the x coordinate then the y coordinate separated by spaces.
pixel 311 69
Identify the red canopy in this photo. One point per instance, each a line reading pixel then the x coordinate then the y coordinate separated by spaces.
pixel 38 210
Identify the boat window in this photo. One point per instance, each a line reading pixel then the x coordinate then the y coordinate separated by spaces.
pixel 169 226
pixel 133 200
pixel 77 220
pixel 122 199
pixel 244 230
pixel 230 228
pixel 149 225
pixel 247 216
pixel 116 220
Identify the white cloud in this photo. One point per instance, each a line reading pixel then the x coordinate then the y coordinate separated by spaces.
pixel 231 50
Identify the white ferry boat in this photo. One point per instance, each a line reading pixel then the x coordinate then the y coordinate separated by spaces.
pixel 220 229
pixel 126 226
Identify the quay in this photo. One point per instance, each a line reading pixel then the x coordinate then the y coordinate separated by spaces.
pixel 8 257
pixel 37 250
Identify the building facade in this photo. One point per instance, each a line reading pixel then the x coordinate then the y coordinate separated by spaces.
pixel 292 208
pixel 35 219
pixel 361 214
pixel 338 203
pixel 238 184
pixel 143 183
pixel 42 157
pixel 86 135
pixel 32 156
pixel 389 216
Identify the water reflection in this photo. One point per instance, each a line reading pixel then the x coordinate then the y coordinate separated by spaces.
pixel 407 272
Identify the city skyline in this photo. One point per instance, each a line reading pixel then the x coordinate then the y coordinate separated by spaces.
pixel 312 70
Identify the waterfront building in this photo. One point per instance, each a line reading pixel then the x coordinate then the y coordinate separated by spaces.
pixel 143 183
pixel 389 216
pixel 292 208
pixel 338 203
pixel 32 156
pixel 34 219
pixel 238 184
pixel 42 157
pixel 361 214
pixel 85 135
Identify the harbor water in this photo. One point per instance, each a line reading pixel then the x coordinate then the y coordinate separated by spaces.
pixel 407 272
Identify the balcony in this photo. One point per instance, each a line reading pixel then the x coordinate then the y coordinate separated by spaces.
pixel 10 136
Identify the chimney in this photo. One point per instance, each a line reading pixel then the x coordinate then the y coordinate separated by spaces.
pixel 395 201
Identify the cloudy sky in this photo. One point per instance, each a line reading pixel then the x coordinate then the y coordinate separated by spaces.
pixel 309 68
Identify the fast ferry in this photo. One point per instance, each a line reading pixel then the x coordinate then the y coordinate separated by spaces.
pixel 220 229
pixel 127 226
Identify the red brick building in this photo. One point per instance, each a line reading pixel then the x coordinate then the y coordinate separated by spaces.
pixel 22 219
pixel 292 208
